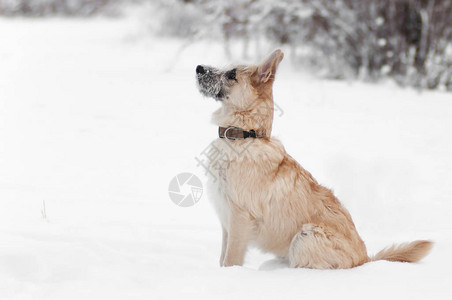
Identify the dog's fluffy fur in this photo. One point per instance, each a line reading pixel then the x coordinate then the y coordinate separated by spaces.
pixel 264 197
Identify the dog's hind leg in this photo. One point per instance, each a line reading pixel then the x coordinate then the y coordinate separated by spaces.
pixel 316 248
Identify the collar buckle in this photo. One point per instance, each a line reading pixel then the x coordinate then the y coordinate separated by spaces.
pixel 235 133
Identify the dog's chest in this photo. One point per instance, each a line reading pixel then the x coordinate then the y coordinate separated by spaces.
pixel 219 161
pixel 225 157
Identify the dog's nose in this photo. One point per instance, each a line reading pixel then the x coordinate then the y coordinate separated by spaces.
pixel 200 70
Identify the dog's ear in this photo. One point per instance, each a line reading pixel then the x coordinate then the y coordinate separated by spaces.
pixel 267 68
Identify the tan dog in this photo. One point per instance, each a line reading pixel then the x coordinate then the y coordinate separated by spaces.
pixel 263 196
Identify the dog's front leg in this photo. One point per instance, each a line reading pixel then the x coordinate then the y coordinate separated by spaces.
pixel 238 236
pixel 224 244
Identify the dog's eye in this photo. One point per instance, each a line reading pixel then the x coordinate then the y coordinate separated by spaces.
pixel 231 75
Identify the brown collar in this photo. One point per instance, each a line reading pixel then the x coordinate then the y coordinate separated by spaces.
pixel 235 133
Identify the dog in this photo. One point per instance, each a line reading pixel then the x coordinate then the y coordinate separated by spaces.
pixel 262 196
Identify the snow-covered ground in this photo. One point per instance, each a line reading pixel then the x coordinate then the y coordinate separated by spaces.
pixel 96 119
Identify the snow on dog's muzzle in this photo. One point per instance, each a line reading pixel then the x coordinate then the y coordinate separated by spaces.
pixel 210 82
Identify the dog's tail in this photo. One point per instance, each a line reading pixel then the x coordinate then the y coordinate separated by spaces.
pixel 407 252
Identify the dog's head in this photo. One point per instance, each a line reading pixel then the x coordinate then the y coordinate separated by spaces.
pixel 239 85
pixel 241 89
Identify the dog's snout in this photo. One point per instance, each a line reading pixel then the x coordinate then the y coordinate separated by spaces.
pixel 200 70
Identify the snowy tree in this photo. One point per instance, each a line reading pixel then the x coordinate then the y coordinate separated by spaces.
pixel 37 8
pixel 408 40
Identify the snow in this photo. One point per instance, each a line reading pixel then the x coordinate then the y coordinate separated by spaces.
pixel 96 118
